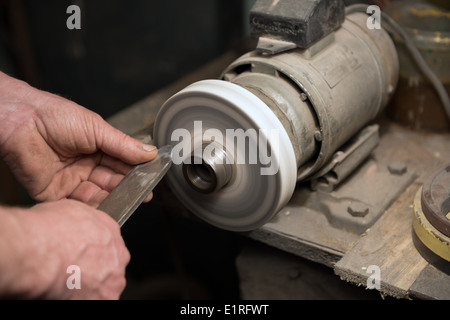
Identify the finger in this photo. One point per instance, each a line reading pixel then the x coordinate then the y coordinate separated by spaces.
pixel 148 198
pixel 89 193
pixel 115 164
pixel 105 178
pixel 119 145
pixel 123 253
pixel 66 180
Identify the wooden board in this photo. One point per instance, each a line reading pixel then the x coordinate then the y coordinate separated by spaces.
pixel 388 245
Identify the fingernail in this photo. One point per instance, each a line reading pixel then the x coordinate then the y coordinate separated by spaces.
pixel 148 147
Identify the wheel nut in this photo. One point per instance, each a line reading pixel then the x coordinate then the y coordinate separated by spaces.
pixel 397 168
pixel 358 209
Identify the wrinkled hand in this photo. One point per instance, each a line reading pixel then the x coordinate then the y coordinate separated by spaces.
pixel 40 244
pixel 58 149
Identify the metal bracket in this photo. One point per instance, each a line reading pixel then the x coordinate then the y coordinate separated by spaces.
pixel 274 46
pixel 302 22
pixel 344 161
pixel 358 203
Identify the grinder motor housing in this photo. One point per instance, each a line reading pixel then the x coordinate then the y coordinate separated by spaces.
pixel 317 76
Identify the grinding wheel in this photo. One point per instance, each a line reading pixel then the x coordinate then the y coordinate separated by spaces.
pixel 233 194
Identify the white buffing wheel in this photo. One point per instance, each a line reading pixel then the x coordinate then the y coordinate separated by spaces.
pixel 248 199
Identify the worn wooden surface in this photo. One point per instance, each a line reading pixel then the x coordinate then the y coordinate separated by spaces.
pixel 317 224
pixel 389 244
pixel 268 273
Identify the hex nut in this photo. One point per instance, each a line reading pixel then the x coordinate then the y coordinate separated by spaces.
pixel 358 209
pixel 397 168
pixel 318 135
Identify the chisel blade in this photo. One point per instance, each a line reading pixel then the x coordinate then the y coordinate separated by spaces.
pixel 136 186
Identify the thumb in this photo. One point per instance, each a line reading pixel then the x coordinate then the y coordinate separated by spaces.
pixel 117 144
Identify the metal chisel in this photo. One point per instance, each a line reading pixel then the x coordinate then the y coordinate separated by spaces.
pixel 136 186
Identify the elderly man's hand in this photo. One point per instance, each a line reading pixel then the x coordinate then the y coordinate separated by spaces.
pixel 38 245
pixel 58 149
pixel 61 152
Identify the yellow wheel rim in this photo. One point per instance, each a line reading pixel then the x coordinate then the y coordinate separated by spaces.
pixel 432 238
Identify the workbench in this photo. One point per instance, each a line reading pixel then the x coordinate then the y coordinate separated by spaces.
pixel 386 182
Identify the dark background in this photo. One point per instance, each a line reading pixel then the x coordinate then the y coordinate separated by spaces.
pixel 124 51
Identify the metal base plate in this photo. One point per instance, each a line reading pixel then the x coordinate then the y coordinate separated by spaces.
pixel 356 204
pixel 324 219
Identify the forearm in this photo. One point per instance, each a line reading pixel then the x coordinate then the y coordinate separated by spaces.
pixel 11 252
pixel 14 108
pixel 20 103
pixel 38 244
pixel 12 88
pixel 19 272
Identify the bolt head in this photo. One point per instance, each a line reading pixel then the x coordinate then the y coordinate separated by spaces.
pixel 397 168
pixel 358 209
pixel 318 135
